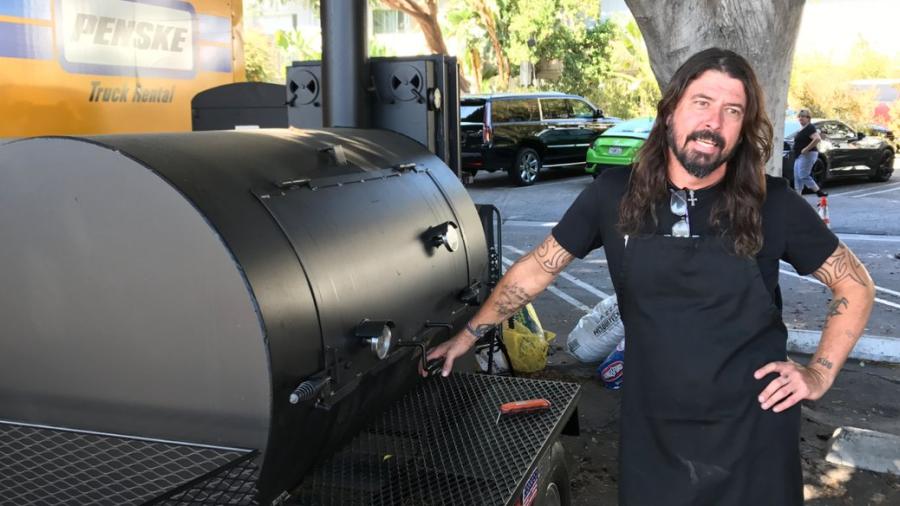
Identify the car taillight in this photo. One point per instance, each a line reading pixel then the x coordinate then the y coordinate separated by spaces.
pixel 487 134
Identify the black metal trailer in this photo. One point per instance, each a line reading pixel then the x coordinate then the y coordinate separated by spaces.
pixel 237 317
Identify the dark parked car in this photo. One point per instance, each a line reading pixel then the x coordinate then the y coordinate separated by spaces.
pixel 843 152
pixel 526 133
pixel 887 133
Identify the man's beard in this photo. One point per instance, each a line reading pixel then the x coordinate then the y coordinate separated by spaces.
pixel 699 164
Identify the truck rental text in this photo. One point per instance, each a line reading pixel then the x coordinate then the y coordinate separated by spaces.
pixel 112 66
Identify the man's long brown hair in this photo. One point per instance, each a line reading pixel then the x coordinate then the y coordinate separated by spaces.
pixel 738 213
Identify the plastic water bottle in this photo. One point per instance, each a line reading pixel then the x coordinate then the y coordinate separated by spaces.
pixel 612 370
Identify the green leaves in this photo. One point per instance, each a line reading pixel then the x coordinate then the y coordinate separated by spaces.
pixel 298 45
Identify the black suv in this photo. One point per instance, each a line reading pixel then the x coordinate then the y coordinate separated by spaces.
pixel 525 133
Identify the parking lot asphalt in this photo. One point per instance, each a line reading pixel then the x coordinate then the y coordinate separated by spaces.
pixel 866 216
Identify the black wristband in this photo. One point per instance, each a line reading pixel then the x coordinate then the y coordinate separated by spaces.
pixel 470 330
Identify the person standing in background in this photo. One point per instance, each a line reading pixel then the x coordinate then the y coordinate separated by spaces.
pixel 806 154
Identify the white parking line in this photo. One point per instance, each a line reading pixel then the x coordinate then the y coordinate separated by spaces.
pixel 521 223
pixel 546 184
pixel 816 281
pixel 559 293
pixel 567 276
pixel 874 193
pixel 862 190
pixel 885 290
pixel 868 237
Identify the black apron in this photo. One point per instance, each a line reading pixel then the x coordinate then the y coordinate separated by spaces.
pixel 698 322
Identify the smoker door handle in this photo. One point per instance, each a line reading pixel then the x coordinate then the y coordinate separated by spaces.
pixel 308 390
pixel 446 234
pixel 432 367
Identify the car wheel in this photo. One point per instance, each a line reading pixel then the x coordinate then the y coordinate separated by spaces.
pixel 885 167
pixel 819 172
pixel 558 489
pixel 526 168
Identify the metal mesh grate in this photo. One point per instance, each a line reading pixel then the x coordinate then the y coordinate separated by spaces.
pixel 235 485
pixel 43 466
pixel 442 444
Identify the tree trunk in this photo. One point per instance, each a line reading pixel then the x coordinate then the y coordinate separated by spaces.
pixel 489 24
pixel 425 14
pixel 763 31
pixel 475 62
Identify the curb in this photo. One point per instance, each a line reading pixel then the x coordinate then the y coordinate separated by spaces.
pixel 874 348
pixel 865 449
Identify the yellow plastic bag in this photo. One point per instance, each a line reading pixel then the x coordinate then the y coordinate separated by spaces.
pixel 526 341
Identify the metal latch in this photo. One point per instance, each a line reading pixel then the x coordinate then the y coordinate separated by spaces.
pixel 469 294
pixel 281 499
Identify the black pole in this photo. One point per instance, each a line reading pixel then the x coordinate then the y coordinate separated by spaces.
pixel 345 60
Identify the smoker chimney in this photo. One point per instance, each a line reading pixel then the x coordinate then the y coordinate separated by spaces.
pixel 345 60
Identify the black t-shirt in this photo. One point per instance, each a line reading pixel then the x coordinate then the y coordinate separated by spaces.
pixel 792 230
pixel 803 138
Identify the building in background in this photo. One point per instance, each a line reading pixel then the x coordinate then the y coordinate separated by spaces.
pixel 391 33
pixel 887 97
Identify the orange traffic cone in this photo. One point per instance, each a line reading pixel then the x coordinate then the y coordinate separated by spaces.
pixel 822 209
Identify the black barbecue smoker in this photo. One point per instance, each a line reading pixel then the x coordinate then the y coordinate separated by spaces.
pixel 237 317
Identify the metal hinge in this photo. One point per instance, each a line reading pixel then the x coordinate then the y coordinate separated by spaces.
pixel 409 167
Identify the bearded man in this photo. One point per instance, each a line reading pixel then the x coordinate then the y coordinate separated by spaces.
pixel 693 236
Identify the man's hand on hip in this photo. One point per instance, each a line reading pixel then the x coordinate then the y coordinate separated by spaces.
pixel 793 384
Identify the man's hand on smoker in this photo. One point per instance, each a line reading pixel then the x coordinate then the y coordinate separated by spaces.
pixel 449 350
pixel 524 280
pixel 793 384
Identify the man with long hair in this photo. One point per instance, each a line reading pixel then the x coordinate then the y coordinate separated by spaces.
pixel 693 237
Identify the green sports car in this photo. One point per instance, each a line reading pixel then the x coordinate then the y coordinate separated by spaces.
pixel 618 145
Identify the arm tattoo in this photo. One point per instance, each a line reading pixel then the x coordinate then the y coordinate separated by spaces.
pixel 479 331
pixel 842 264
pixel 510 299
pixel 824 362
pixel 552 257
pixel 834 308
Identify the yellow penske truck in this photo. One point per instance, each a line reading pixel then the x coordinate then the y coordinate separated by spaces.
pixel 112 66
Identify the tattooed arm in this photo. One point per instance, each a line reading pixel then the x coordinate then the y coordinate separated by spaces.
pixel 524 280
pixel 853 294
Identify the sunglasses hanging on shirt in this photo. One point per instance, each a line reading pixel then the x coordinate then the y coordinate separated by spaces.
pixel 679 206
